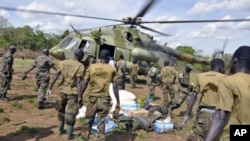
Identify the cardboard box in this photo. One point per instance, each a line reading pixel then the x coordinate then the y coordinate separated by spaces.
pixel 140 112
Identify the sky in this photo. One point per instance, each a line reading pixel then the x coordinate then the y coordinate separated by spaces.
pixel 205 38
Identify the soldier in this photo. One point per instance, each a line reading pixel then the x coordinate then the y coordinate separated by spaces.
pixel 207 85
pixel 184 88
pixel 234 97
pixel 133 74
pixel 121 68
pixel 43 64
pixel 168 76
pixel 100 75
pixel 70 89
pixel 151 80
pixel 6 70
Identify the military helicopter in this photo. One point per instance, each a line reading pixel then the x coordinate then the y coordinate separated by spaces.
pixel 124 38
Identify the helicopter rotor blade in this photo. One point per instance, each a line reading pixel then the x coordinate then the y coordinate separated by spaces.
pixel 150 29
pixel 56 13
pixel 144 10
pixel 196 21
pixel 87 29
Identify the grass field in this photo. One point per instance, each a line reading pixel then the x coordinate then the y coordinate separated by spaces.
pixel 20 120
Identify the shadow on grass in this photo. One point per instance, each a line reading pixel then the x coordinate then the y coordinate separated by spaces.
pixel 26 133
pixel 23 97
pixel 48 105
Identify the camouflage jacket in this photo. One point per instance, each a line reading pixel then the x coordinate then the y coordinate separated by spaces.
pixel 43 64
pixel 7 59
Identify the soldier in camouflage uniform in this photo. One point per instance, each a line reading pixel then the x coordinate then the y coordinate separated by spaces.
pixel 67 105
pixel 133 74
pixel 184 88
pixel 99 76
pixel 207 85
pixel 168 76
pixel 6 71
pixel 151 80
pixel 43 64
pixel 121 68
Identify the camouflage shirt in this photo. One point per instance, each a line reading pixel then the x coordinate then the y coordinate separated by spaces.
pixel 7 59
pixel 186 78
pixel 43 64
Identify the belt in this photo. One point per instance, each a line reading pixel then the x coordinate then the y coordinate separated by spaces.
pixel 207 110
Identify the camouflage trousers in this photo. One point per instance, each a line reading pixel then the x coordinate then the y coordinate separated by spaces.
pixel 97 106
pixel 183 94
pixel 66 106
pixel 201 124
pixel 168 90
pixel 121 82
pixel 132 81
pixel 4 84
pixel 151 88
pixel 42 84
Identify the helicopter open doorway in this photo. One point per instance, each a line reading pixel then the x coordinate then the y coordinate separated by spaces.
pixel 111 49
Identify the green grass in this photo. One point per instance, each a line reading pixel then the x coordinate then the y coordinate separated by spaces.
pixel 22 64
pixel 6 119
pixel 15 104
pixel 35 89
pixel 1 110
pixel 28 99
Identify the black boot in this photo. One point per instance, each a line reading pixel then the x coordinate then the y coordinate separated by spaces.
pixel 40 105
pixel 4 97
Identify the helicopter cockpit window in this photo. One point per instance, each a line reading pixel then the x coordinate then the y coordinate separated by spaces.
pixel 73 44
pixel 128 36
pixel 65 42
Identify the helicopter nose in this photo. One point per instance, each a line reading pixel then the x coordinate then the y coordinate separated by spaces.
pixel 57 52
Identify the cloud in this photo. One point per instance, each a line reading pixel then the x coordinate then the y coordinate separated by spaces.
pixel 4 13
pixel 209 6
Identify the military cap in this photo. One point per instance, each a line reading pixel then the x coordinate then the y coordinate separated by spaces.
pixel 12 47
pixel 151 63
pixel 190 66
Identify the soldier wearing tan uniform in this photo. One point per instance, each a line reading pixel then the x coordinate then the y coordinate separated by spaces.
pixel 234 98
pixel 207 85
pixel 99 76
pixel 168 76
pixel 133 74
pixel 121 69
pixel 70 89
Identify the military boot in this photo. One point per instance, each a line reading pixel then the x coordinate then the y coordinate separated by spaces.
pixel 61 127
pixel 40 105
pixel 70 133
pixel 4 97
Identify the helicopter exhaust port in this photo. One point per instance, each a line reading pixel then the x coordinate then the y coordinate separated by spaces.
pixel 142 54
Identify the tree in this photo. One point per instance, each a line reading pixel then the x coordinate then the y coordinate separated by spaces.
pixel 186 49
